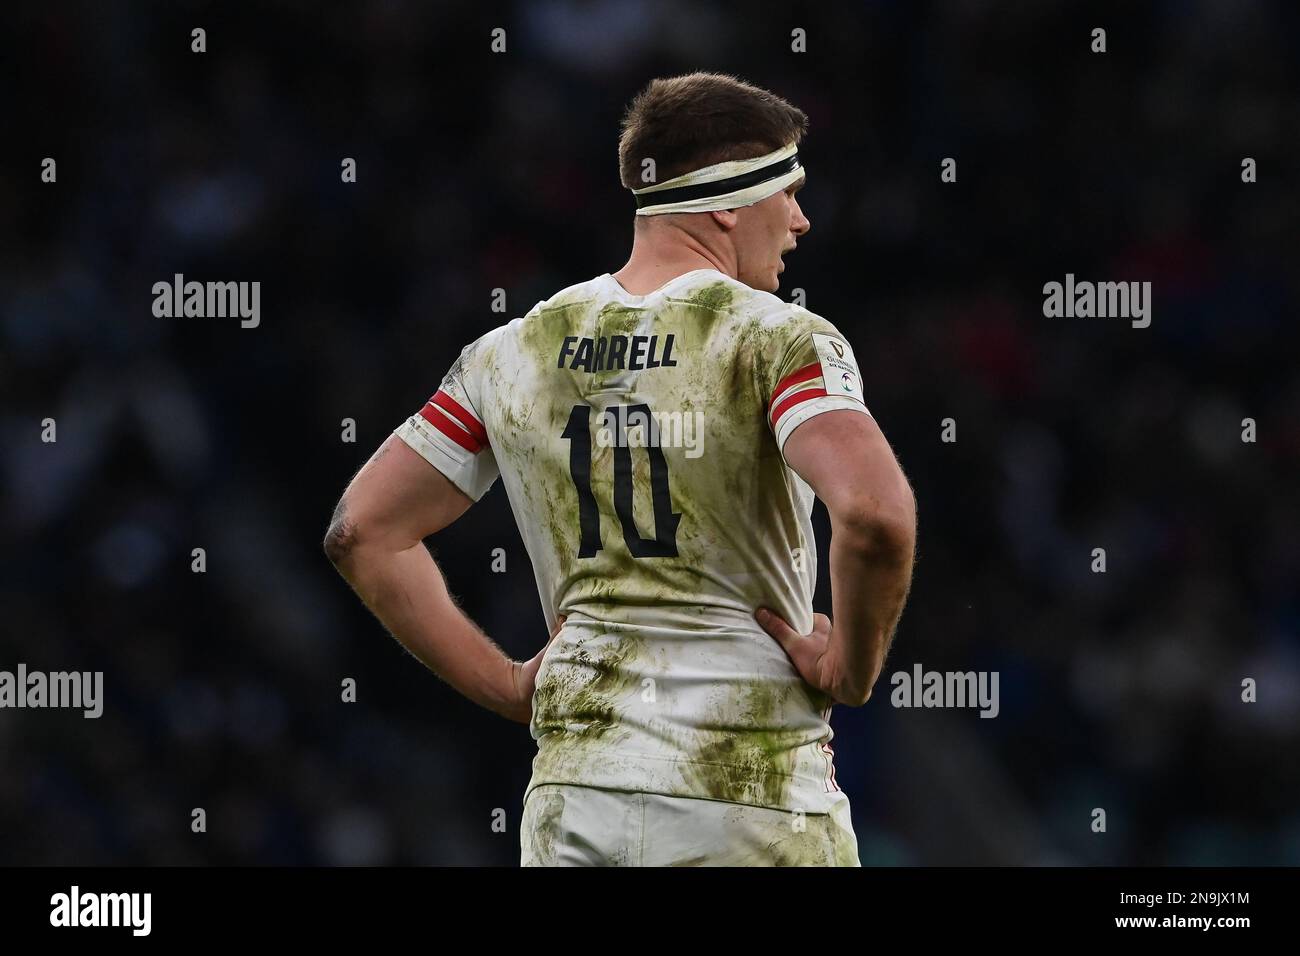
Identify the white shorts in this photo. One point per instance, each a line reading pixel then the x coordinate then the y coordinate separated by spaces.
pixel 566 825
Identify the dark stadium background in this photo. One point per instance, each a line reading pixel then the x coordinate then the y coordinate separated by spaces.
pixel 479 171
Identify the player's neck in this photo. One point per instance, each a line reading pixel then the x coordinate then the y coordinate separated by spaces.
pixel 658 259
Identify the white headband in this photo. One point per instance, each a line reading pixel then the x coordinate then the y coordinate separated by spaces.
pixel 726 185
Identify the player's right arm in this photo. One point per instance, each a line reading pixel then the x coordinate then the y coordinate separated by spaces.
pixel 424 477
pixel 847 462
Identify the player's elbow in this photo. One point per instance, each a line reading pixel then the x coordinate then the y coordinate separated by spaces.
pixel 884 526
pixel 357 536
pixel 338 544
pixel 858 698
pixel 856 694
pixel 342 537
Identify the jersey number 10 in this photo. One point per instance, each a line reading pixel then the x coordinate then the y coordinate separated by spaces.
pixel 578 432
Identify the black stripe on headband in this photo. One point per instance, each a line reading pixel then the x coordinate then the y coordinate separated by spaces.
pixel 719 187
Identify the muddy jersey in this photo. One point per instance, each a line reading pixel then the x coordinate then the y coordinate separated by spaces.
pixel 639 439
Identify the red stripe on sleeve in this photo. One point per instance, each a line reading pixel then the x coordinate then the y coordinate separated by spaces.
pixel 793 400
pixel 794 378
pixel 449 404
pixel 436 418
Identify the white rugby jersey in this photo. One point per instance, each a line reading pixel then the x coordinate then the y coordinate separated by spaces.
pixel 639 441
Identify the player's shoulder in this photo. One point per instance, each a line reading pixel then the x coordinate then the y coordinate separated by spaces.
pixel 719 292
pixel 710 290
pixel 484 344
pixel 773 315
pixel 553 311
pixel 578 294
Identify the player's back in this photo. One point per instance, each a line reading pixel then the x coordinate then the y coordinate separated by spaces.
pixel 638 441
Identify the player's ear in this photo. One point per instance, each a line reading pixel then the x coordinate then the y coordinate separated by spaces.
pixel 726 218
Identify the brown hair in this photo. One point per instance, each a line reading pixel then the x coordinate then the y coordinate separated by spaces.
pixel 688 122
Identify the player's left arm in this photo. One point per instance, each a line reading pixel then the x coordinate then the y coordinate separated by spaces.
pixel 827 436
pixel 376 541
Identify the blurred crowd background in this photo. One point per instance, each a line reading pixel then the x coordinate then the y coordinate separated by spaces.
pixel 479 170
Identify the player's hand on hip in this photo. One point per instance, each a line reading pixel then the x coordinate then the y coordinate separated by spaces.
pixel 525 677
pixel 810 653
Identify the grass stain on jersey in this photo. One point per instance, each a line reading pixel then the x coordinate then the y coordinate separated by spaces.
pixel 751 765
pixel 582 695
pixel 618 319
pixel 544 331
pixel 717 297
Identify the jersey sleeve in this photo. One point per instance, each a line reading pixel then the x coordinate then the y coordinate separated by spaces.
pixel 811 370
pixel 449 433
